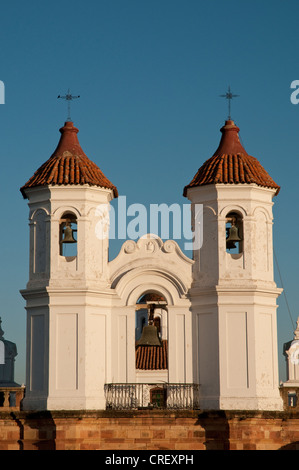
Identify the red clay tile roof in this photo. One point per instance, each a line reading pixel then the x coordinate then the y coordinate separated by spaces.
pixel 152 357
pixel 69 165
pixel 231 164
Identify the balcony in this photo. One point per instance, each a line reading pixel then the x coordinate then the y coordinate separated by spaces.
pixel 134 396
pixel 11 398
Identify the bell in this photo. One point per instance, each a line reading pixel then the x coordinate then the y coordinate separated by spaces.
pixel 233 237
pixel 149 337
pixel 68 235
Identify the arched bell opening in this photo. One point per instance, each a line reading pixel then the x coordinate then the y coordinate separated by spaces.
pixel 68 235
pixel 234 233
pixel 151 332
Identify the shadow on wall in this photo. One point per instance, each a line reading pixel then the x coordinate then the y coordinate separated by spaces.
pixel 217 434
pixel 291 446
pixel 216 430
pixel 43 436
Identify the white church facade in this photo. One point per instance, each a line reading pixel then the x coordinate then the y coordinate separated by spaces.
pixel 206 326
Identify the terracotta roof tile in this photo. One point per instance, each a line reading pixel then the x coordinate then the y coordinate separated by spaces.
pixel 68 165
pixel 231 164
pixel 152 357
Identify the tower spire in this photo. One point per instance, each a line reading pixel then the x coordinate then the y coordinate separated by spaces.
pixel 229 96
pixel 68 97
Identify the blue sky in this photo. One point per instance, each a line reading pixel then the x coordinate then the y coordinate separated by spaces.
pixel 149 74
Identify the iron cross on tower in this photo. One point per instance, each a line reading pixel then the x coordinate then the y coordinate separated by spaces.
pixel 68 97
pixel 229 96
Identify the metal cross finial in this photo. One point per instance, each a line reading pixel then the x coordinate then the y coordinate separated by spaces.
pixel 229 96
pixel 68 97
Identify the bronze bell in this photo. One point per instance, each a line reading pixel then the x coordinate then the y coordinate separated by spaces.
pixel 149 337
pixel 233 237
pixel 68 235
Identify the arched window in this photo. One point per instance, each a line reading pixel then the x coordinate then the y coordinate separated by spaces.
pixel 68 235
pixel 151 309
pixel 152 346
pixel 234 233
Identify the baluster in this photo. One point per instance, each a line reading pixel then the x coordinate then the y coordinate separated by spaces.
pixel 127 396
pixel 122 396
pixel 6 399
pixel 115 396
pixel 19 397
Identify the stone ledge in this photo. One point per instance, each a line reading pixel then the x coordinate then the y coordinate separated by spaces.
pixel 200 414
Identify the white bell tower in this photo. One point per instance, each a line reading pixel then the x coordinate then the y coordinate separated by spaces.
pixel 233 293
pixel 68 291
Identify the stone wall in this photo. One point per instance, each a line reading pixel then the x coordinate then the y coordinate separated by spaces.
pixel 149 430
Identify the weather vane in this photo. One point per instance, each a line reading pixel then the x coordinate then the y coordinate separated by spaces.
pixel 68 97
pixel 229 96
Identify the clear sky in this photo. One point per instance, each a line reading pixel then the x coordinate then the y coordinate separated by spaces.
pixel 149 73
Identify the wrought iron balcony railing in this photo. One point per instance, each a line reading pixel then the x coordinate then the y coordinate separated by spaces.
pixel 173 396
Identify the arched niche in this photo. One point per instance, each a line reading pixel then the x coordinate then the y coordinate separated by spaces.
pixel 148 282
pixel 262 239
pixel 234 232
pixel 151 333
pixel 68 234
pixel 39 240
pixel 151 307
